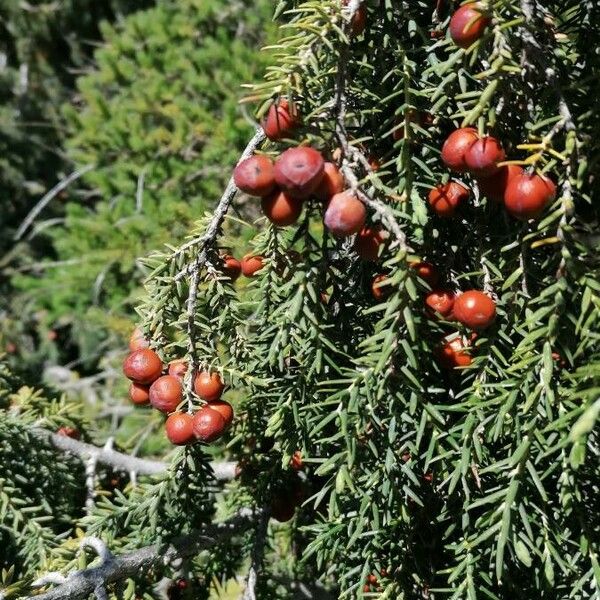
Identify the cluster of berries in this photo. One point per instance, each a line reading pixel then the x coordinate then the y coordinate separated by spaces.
pixel 161 387
pixel 525 195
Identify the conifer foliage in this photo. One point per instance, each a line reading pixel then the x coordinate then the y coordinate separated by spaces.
pixel 413 355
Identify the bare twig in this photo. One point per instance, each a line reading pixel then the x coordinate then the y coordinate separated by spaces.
pixel 81 584
pixel 47 198
pixel 352 157
pixel 223 471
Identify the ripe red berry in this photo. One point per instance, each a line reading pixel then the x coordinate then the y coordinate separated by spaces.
pixel 143 366
pixel 527 195
pixel 455 146
pixel 178 368
pixel 359 19
pixel 345 214
pixel 380 287
pixel 208 386
pixel 281 209
pixel 69 432
pixel 467 25
pixel 166 393
pixel 372 579
pixel 494 187
pixel 255 175
pixel 475 310
pixel 251 264
pixel 445 199
pixel 224 409
pixel 137 341
pixel 208 424
pixel 179 428
pixel 426 271
pixel 139 394
pixel 281 120
pixel 298 171
pixel 483 155
pixel 231 267
pixel 367 243
pixel 296 461
pixel 440 301
pixel 332 182
pixel 453 353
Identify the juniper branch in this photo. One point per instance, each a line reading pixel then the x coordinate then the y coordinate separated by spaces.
pixel 223 471
pixel 81 584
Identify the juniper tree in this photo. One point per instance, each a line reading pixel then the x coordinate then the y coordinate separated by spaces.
pixel 430 436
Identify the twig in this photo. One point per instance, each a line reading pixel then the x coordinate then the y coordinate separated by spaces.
pixel 258 551
pixel 352 155
pixel 81 584
pixel 223 471
pixel 37 209
pixel 205 242
pixel 220 211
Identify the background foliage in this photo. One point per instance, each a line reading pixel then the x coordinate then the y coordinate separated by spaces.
pixel 159 120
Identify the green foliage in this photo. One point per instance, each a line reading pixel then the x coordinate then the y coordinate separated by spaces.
pixel 42 44
pixel 41 495
pixel 160 121
pixel 472 483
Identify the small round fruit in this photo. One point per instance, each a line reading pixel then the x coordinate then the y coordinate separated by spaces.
pixel 139 394
pixel 231 267
pixel 208 386
pixel 359 18
pixel 224 409
pixel 178 368
pixel 251 264
pixel 455 147
pixel 467 25
pixel 527 195
pixel 137 341
pixel 166 393
pixel 281 120
pixel 445 199
pixel 380 287
pixel 495 186
pixel 298 171
pixel 440 301
pixel 331 184
pixel 179 428
pixel 143 366
pixel 281 209
pixel 367 243
pixel 482 157
pixel 345 214
pixel 296 461
pixel 69 432
pixel 208 425
pixel 426 271
pixel 255 176
pixel 475 310
pixel 453 353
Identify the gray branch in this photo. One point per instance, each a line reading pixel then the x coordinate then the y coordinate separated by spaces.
pixel 223 471
pixel 81 584
pixel 47 198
